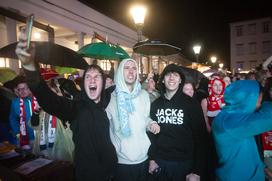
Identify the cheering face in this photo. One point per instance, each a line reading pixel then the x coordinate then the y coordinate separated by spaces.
pixel 23 90
pixel 171 81
pixel 93 84
pixel 188 89
pixel 130 72
pixel 217 87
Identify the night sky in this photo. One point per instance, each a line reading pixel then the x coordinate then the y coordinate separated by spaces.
pixel 186 22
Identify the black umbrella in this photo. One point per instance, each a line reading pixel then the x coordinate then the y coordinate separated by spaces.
pixel 49 53
pixel 154 47
pixel 192 75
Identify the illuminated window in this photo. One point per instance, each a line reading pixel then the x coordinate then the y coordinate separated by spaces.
pixel 105 65
pixel 4 62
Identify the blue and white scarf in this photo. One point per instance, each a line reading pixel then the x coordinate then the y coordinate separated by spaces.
pixel 125 106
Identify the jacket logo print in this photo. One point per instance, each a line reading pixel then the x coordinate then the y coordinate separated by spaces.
pixel 170 116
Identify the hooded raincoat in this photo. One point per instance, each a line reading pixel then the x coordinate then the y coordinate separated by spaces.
pixel 234 129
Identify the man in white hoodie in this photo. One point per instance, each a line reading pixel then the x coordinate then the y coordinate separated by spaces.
pixel 128 112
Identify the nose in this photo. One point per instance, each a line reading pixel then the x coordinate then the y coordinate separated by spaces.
pixel 171 76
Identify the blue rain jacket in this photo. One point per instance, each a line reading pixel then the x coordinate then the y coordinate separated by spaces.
pixel 234 129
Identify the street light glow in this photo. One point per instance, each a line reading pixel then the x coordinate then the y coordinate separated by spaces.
pixel 197 49
pixel 138 13
pixel 213 59
pixel 37 35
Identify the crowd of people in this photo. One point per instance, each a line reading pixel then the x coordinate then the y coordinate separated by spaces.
pixel 165 129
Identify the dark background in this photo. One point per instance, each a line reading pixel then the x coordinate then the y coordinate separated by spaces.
pixel 186 22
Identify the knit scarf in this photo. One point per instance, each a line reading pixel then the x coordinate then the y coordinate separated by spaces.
pixel 24 138
pixel 48 126
pixel 125 106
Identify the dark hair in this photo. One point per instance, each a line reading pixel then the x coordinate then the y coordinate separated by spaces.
pixel 171 68
pixel 19 79
pixel 100 70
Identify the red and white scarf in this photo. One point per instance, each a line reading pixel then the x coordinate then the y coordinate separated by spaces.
pixel 24 137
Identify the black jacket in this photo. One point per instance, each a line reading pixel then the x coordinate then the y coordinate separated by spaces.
pixel 183 134
pixel 95 157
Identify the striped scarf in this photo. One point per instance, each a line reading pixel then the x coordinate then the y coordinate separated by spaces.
pixel 24 138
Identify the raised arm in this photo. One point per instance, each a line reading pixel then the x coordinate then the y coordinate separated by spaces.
pixel 48 100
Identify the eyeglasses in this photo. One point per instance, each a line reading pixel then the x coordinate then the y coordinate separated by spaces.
pixel 22 89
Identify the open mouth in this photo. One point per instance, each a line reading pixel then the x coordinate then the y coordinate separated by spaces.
pixel 92 89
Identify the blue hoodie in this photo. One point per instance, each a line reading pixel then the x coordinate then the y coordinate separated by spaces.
pixel 234 129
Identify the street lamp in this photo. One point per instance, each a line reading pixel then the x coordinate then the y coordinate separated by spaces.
pixel 197 49
pixel 213 59
pixel 221 65
pixel 138 13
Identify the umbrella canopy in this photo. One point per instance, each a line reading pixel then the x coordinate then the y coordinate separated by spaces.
pixel 192 75
pixel 154 47
pixel 6 74
pixel 103 51
pixel 65 70
pixel 49 53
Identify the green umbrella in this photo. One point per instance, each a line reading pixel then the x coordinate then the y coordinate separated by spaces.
pixel 103 51
pixel 120 52
pixel 65 70
pixel 6 74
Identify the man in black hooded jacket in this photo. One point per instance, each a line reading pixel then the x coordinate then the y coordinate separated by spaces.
pixel 179 151
pixel 94 157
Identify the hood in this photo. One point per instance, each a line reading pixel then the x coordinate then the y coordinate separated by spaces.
pixel 83 91
pixel 167 69
pixel 241 96
pixel 119 78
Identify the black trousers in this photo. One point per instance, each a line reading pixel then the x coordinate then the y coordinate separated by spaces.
pixel 135 172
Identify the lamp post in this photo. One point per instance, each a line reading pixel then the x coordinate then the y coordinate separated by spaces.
pixel 221 65
pixel 213 60
pixel 197 49
pixel 138 13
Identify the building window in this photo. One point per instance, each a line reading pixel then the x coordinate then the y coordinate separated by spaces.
pixel 4 62
pixel 266 27
pixel 266 46
pixel 105 65
pixel 239 49
pixel 252 29
pixel 239 30
pixel 252 47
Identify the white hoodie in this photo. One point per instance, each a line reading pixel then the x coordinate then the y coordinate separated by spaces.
pixel 132 149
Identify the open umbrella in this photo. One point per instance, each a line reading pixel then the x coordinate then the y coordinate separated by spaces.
pixel 49 53
pixel 65 70
pixel 6 74
pixel 154 47
pixel 103 51
pixel 192 75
